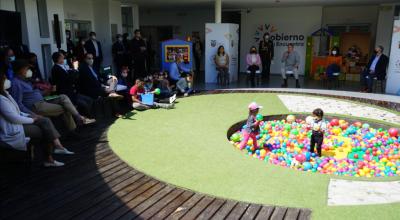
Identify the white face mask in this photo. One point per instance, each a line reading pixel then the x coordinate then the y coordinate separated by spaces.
pixel 29 74
pixel 7 84
pixel 334 52
pixel 266 37
pixel 124 75
pixel 93 37
pixel 120 39
pixel 11 59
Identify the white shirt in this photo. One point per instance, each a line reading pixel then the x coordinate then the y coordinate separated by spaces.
pixel 253 58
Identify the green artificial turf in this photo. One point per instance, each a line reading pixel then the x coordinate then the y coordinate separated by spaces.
pixel 187 147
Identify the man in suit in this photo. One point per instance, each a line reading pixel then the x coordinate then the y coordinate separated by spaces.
pixel 266 50
pixel 118 52
pixel 138 52
pixel 376 68
pixel 93 46
pixel 65 80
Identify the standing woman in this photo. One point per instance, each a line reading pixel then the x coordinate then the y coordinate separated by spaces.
pixel 80 51
pixel 221 60
pixel 14 125
pixel 253 61
pixel 266 49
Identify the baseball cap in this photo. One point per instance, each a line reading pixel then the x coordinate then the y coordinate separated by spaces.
pixel 254 106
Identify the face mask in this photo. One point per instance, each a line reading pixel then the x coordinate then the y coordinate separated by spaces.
pixel 90 62
pixel 93 37
pixel 376 51
pixel 334 52
pixel 266 37
pixel 253 51
pixel 11 59
pixel 65 62
pixel 7 84
pixel 120 39
pixel 124 75
pixel 83 43
pixel 29 74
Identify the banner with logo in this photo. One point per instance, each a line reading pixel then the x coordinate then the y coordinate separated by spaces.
pixel 393 80
pixel 281 36
pixel 226 35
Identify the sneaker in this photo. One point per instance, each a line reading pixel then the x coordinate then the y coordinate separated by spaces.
pixel 172 99
pixel 53 164
pixel 63 151
pixel 87 121
pixel 115 95
pixel 186 95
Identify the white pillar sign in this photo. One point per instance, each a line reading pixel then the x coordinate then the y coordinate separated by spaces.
pixel 393 80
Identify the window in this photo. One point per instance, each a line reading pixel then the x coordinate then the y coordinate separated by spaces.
pixel 43 20
pixel 127 20
pixel 339 29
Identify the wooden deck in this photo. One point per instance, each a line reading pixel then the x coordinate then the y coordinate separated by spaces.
pixel 96 184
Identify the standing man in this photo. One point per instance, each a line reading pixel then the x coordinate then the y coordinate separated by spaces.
pixel 138 52
pixel 376 68
pixel 118 52
pixel 93 46
pixel 291 62
pixel 197 51
pixel 266 50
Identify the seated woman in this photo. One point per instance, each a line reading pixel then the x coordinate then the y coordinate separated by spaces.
pixel 253 61
pixel 6 58
pixel 221 60
pixel 14 125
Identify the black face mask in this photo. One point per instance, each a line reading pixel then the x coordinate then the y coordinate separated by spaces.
pixel 253 51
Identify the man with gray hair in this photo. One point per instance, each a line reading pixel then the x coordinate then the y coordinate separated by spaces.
pixel 291 62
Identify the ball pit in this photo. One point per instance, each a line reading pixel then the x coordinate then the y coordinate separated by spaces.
pixel 349 149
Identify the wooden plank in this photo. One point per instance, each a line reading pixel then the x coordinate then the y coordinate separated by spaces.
pixel 265 212
pixel 198 208
pixel 224 210
pixel 279 213
pixel 292 214
pixel 95 197
pixel 238 211
pixel 117 198
pixel 119 204
pixel 156 207
pixel 56 203
pixel 143 206
pixel 211 209
pixel 251 212
pixel 172 206
pixel 305 214
pixel 185 207
pixel 129 206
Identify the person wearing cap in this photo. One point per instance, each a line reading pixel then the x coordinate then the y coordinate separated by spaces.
pixel 252 126
pixel 376 68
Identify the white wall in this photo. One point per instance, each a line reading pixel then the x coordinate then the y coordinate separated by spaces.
pixel 8 5
pixel 385 27
pixel 187 20
pixel 290 20
pixel 78 10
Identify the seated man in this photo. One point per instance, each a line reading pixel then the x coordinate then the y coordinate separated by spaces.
pixel 137 90
pixel 184 85
pixel 178 69
pixel 66 82
pixel 376 68
pixel 31 100
pixel 91 84
pixel 291 62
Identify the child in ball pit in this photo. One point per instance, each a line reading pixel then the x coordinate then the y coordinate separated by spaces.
pixel 252 126
pixel 318 127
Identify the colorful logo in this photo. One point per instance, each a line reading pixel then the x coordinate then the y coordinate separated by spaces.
pixel 262 29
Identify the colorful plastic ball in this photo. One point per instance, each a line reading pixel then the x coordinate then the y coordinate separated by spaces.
pixel 235 137
pixel 287 127
pixel 365 126
pixel 300 157
pixel 308 156
pixel 307 166
pixel 295 132
pixel 290 118
pixel 334 122
pixel 259 117
pixel 309 119
pixel 393 132
pixel 357 124
pixel 157 91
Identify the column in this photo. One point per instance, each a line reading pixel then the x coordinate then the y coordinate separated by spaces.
pixel 218 11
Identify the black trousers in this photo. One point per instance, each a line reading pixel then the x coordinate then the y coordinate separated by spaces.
pixel 316 139
pixel 266 66
pixel 252 75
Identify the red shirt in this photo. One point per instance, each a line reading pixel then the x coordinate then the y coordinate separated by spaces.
pixel 135 91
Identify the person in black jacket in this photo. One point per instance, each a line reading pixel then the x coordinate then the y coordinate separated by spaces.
pixel 376 68
pixel 118 52
pixel 65 80
pixel 93 46
pixel 138 52
pixel 266 50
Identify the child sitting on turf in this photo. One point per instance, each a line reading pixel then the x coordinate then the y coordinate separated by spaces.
pixel 252 126
pixel 184 85
pixel 318 127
